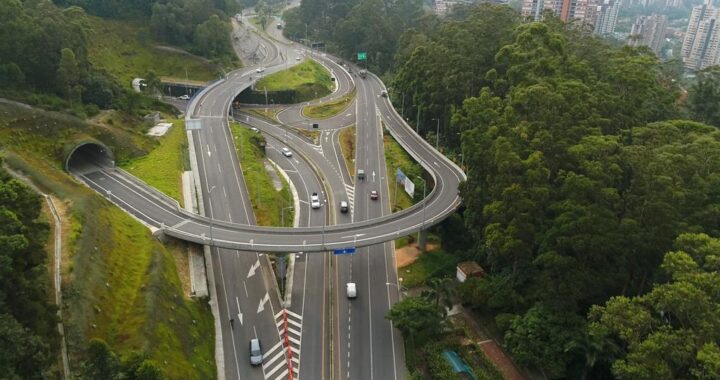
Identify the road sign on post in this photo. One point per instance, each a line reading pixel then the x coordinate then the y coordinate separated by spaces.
pixel 362 56
pixel 344 251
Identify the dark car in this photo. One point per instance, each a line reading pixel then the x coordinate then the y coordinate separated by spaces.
pixel 374 195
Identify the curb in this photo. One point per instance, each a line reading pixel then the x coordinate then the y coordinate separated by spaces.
pixel 219 353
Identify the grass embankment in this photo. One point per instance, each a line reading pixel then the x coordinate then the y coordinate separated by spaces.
pixel 312 134
pixel 119 283
pixel 309 80
pixel 126 51
pixel 266 200
pixel 396 157
pixel 162 168
pixel 267 113
pixel 347 145
pixel 329 109
pixel 429 264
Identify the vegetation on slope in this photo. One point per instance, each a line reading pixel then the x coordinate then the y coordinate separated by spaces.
pixel 121 285
pixel 199 26
pixel 123 50
pixel 28 334
pixel 397 158
pixel 162 167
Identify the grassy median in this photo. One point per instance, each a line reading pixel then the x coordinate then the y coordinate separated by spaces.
pixel 267 202
pixel 329 109
pixel 347 145
pixel 309 80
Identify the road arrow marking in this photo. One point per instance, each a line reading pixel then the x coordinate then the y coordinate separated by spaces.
pixel 253 268
pixel 240 315
pixel 373 175
pixel 265 299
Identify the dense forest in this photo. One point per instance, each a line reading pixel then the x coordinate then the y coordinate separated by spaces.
pixel 28 334
pixel 592 203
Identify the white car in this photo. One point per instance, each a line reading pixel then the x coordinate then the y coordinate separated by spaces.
pixel 259 69
pixel 255 130
pixel 184 97
pixel 286 152
pixel 297 58
pixel 351 290
pixel 315 200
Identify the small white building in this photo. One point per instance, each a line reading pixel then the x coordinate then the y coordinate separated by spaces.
pixel 468 269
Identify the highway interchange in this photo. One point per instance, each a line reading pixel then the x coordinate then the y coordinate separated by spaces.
pixel 330 336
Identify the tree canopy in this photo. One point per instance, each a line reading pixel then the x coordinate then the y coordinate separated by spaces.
pixel 28 338
pixel 672 332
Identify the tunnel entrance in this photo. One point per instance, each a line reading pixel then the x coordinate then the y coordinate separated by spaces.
pixel 89 156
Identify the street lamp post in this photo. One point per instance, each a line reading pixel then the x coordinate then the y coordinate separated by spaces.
pixel 211 213
pixel 437 133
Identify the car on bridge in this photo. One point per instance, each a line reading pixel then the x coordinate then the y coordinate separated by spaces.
pixel 343 207
pixel 315 200
pixel 286 152
pixel 374 195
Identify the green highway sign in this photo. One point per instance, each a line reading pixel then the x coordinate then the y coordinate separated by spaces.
pixel 362 56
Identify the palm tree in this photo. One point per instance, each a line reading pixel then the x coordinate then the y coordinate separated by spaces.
pixel 440 290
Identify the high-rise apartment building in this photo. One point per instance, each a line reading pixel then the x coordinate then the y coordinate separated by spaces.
pixel 565 9
pixel 602 14
pixel 701 46
pixel 605 17
pixel 649 31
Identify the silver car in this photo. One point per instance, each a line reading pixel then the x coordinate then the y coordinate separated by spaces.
pixel 256 355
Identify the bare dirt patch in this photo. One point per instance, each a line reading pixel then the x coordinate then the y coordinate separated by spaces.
pixel 408 254
pixel 503 363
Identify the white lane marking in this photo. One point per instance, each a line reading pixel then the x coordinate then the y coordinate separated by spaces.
pixel 246 291
pixel 209 153
pixel 240 314
pixel 283 375
pixel 274 358
pixel 263 301
pixel 253 268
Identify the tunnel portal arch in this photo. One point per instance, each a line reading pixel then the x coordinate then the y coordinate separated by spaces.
pixel 89 155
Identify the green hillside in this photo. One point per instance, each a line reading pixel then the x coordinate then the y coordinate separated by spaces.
pixel 119 283
pixel 126 51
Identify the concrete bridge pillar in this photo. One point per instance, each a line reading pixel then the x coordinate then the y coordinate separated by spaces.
pixel 422 240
